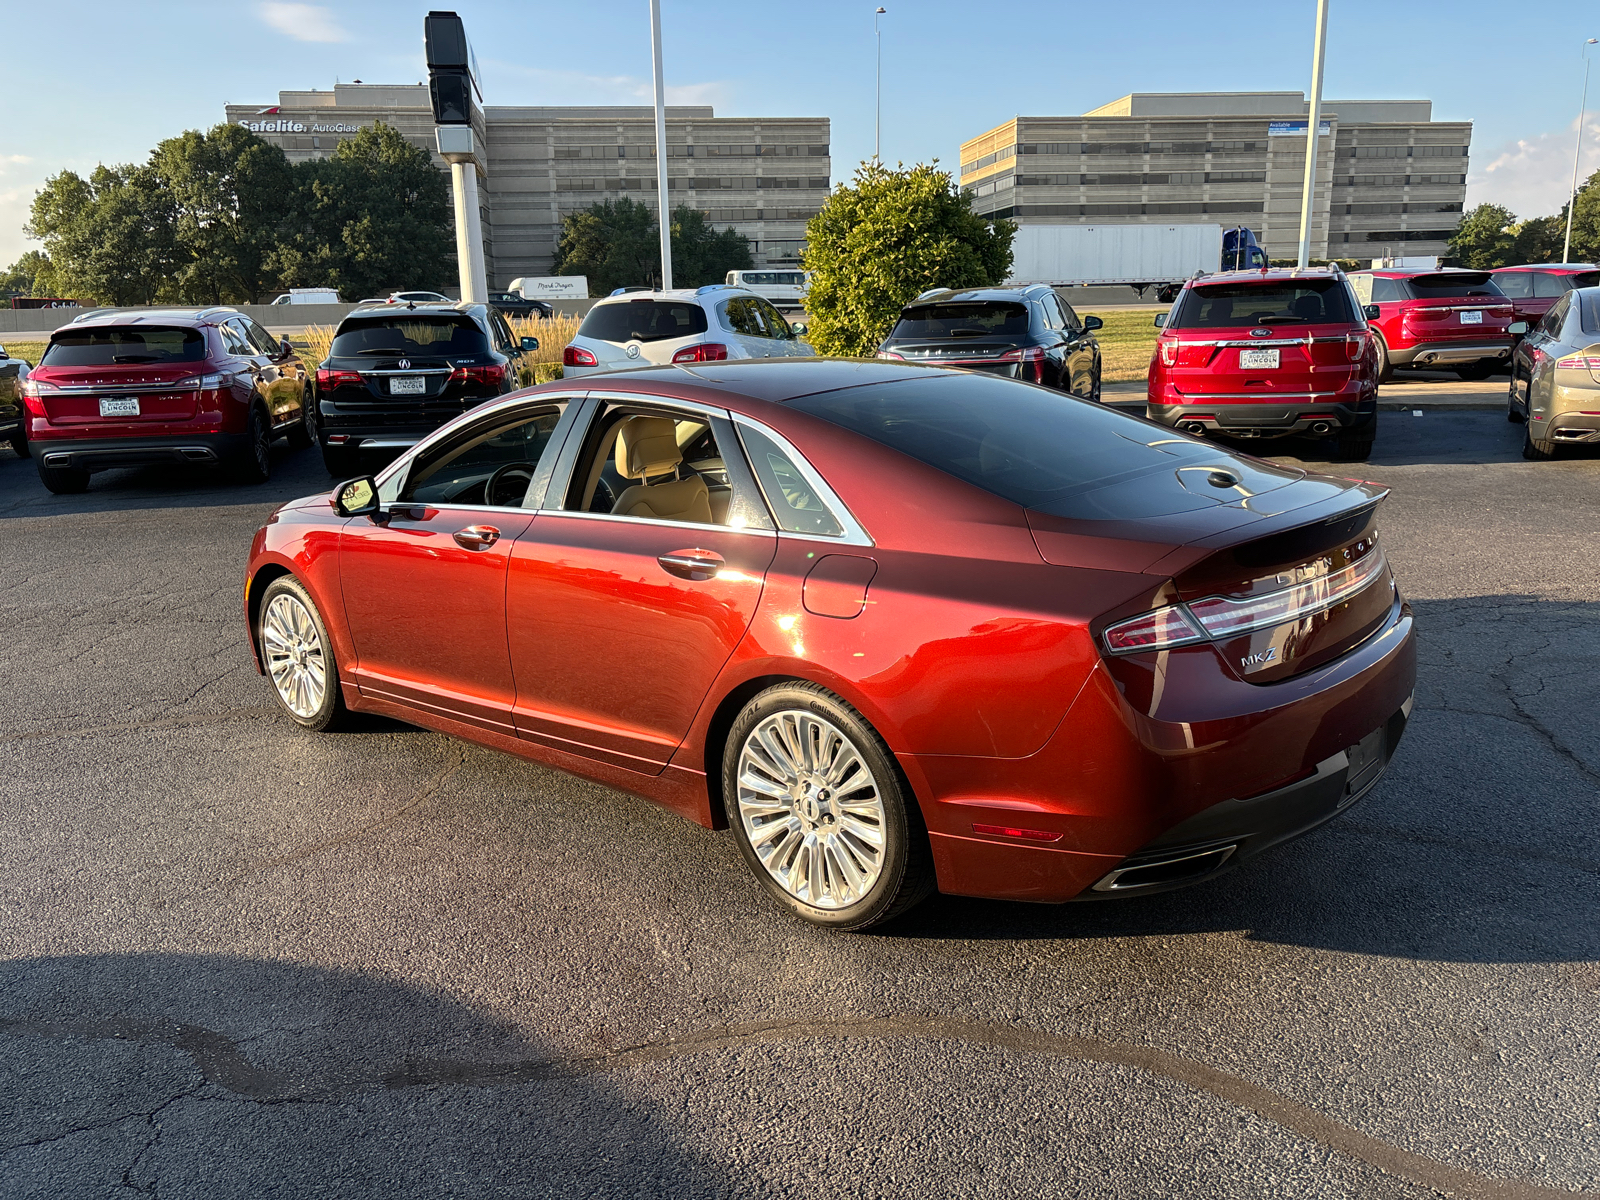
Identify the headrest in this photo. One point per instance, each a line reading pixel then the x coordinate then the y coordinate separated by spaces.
pixel 647 446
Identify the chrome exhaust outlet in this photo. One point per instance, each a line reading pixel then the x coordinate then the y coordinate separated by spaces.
pixel 1321 429
pixel 1159 872
pixel 1192 426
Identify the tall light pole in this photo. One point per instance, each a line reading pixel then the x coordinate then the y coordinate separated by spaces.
pixel 877 126
pixel 665 213
pixel 1313 126
pixel 1577 147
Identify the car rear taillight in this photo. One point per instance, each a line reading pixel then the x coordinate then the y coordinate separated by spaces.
pixel 1221 617
pixel 491 376
pixel 1032 359
pixel 329 378
pixel 1355 345
pixel 577 356
pixel 891 354
pixel 1169 351
pixel 33 393
pixel 1577 362
pixel 702 352
pixel 1153 631
pixel 202 382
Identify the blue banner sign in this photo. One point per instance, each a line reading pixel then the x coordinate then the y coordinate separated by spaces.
pixel 1296 128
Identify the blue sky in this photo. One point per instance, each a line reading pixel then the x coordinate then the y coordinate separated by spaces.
pixel 93 81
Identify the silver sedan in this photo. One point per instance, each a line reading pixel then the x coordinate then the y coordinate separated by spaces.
pixel 1555 377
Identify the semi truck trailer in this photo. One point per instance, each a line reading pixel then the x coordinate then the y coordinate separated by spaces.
pixel 1137 256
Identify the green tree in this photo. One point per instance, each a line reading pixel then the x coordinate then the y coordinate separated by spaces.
pixel 374 216
pixel 232 193
pixel 1484 239
pixel 110 238
pixel 1586 222
pixel 888 236
pixel 1538 239
pixel 702 255
pixel 617 243
pixel 30 275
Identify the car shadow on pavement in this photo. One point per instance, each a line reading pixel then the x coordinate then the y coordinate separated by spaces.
pixel 218 1076
pixel 1481 844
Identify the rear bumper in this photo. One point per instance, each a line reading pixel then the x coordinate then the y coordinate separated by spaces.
pixel 1427 354
pixel 1265 418
pixel 1569 428
pixel 106 453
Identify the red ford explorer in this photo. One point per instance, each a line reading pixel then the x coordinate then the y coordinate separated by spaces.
pixel 121 389
pixel 1455 319
pixel 1268 354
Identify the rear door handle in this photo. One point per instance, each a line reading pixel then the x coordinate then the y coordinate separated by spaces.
pixel 696 565
pixel 477 537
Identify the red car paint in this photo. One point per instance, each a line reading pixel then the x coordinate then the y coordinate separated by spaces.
pixel 1533 290
pixel 1451 318
pixel 968 634
pixel 1325 378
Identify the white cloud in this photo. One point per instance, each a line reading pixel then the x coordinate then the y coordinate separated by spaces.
pixel 1533 176
pixel 304 22
pixel 10 160
pixel 574 87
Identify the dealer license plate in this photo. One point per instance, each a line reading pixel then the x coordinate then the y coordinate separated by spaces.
pixel 119 406
pixel 1473 316
pixel 1258 360
pixel 407 385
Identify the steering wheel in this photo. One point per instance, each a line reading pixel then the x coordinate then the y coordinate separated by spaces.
pixel 491 489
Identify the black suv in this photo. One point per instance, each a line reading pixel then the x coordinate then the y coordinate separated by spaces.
pixel 1026 333
pixel 514 305
pixel 396 373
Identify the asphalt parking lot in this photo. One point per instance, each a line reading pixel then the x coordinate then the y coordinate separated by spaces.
pixel 239 960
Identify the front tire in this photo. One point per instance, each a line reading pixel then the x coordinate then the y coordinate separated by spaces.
pixel 821 814
pixel 1537 449
pixel 1477 371
pixel 303 433
pixel 298 656
pixel 1513 414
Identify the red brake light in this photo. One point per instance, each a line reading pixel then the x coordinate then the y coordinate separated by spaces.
pixel 33 394
pixel 891 354
pixel 1354 345
pixel 1032 360
pixel 1014 831
pixel 701 352
pixel 577 356
pixel 1169 351
pixel 492 376
pixel 327 378
pixel 1223 618
pixel 1577 362
pixel 1153 631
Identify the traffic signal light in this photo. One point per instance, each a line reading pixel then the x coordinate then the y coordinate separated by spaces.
pixel 451 80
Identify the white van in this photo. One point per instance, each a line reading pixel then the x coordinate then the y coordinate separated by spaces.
pixel 309 296
pixel 786 289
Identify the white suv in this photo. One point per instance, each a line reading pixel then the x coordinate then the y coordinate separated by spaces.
pixel 708 324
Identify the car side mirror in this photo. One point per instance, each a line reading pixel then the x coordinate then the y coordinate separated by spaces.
pixel 798 329
pixel 1090 324
pixel 356 497
pixel 1517 327
pixel 286 347
pixel 530 343
pixel 1372 312
pixel 1161 320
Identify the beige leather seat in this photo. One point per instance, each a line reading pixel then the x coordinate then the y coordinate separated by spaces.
pixel 648 446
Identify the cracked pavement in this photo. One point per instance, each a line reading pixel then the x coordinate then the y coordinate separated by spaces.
pixel 240 960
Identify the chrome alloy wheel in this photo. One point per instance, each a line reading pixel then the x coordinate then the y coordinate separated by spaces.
pixel 293 651
pixel 811 809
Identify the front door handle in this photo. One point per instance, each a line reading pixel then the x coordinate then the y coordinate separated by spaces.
pixel 477 537
pixel 696 565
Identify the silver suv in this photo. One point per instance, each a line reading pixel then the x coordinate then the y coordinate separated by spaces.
pixel 707 324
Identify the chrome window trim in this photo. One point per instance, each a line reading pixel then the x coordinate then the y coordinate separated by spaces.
pixel 854 534
pixel 92 389
pixel 695 525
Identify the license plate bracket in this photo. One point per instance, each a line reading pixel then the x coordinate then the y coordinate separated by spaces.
pixel 407 385
pixel 119 406
pixel 1472 316
pixel 1259 360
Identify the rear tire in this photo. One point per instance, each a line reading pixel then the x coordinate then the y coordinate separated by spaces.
pixel 1385 367
pixel 303 433
pixel 254 461
pixel 63 481
pixel 19 443
pixel 1099 370
pixel 338 462
pixel 1537 449
pixel 1355 445
pixel 298 656
pixel 1513 414
pixel 1478 370
pixel 844 845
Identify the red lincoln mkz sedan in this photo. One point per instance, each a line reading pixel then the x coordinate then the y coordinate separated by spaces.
pixel 901 628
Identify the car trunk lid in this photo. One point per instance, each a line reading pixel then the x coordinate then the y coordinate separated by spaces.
pixel 1269 362
pixel 116 394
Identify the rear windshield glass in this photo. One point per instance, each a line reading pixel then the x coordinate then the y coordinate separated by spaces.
pixel 1466 283
pixel 1291 302
pixel 103 347
pixel 410 335
pixel 643 321
pixel 962 320
pixel 1033 447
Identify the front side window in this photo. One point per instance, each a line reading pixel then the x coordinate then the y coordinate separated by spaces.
pixel 1362 286
pixel 259 338
pixel 420 336
pixel 795 503
pixel 131 346
pixel 234 341
pixel 643 321
pixel 492 463
pixel 1556 317
pixel 1291 302
pixel 772 321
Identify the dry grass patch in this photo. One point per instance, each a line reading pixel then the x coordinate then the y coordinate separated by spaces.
pixel 29 351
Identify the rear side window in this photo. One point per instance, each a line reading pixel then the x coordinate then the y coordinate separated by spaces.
pixel 794 502
pixel 1449 286
pixel 1031 446
pixel 103 347
pixel 1386 290
pixel 962 320
pixel 411 335
pixel 1516 284
pixel 1547 284
pixel 1589 310
pixel 1291 302
pixel 643 321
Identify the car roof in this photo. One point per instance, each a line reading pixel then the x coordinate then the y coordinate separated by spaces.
pixel 736 383
pixel 154 316
pixel 978 295
pixel 1556 268
pixel 381 307
pixel 708 294
pixel 1265 275
pixel 1410 272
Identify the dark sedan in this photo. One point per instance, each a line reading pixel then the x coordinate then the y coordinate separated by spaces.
pixel 12 427
pixel 900 628
pixel 513 304
pixel 1022 333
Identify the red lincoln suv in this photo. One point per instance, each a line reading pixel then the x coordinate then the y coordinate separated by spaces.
pixel 122 389
pixel 1533 290
pixel 1455 319
pixel 1268 354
